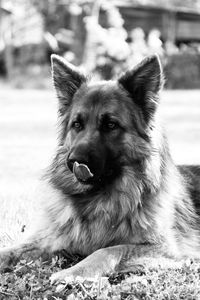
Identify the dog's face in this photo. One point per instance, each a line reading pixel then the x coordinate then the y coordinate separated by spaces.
pixel 95 129
pixel 104 125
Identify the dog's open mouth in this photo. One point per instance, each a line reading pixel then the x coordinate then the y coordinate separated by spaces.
pixel 82 173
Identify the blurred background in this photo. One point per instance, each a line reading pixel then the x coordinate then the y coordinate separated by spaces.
pixel 105 38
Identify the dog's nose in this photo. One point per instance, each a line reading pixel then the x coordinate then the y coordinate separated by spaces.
pixel 79 166
pixel 73 157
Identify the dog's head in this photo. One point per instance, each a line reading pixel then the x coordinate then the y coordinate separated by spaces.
pixel 104 125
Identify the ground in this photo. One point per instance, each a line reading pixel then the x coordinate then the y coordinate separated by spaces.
pixel 27 142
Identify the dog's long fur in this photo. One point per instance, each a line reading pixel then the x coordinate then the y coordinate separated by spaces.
pixel 140 204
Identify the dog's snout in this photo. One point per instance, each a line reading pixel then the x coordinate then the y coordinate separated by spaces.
pixel 77 156
pixel 89 159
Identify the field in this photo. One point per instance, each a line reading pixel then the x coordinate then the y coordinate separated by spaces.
pixel 28 139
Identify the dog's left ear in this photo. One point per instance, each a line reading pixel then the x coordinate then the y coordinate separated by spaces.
pixel 67 80
pixel 143 84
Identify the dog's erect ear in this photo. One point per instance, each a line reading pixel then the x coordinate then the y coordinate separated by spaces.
pixel 143 84
pixel 67 80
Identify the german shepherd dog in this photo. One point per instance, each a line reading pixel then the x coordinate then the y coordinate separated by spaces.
pixel 112 192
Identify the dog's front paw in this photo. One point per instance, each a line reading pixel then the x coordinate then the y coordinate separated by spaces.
pixel 97 264
pixel 75 273
pixel 62 277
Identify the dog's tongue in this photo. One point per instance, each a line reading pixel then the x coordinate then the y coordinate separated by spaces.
pixel 81 171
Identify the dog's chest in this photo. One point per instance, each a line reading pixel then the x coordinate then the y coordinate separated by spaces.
pixel 95 226
pixel 85 235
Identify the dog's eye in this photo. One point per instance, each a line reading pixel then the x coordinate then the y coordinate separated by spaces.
pixel 77 125
pixel 111 125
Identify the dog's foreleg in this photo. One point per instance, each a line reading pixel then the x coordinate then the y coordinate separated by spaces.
pixel 108 260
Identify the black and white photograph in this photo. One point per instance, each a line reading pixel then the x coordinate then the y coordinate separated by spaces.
pixel 99 149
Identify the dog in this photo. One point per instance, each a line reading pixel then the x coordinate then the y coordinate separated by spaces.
pixel 112 193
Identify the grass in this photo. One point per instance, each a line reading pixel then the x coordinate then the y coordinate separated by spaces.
pixel 27 143
pixel 27 140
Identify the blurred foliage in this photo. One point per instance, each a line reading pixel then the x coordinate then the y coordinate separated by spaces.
pixel 92 34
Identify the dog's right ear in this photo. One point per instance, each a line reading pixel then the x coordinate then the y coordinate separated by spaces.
pixel 67 80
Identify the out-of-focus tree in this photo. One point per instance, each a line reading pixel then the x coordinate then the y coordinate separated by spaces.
pixel 26 29
pixel 76 25
pixel 104 44
pixel 154 42
pixel 6 53
pixel 138 46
